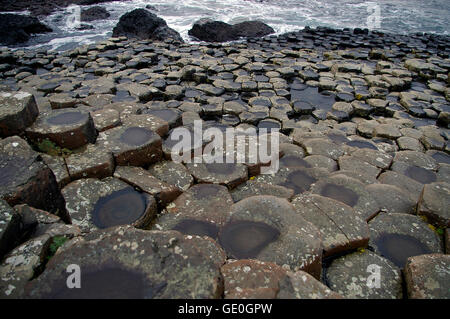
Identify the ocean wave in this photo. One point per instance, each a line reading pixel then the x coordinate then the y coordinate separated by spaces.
pixel 396 16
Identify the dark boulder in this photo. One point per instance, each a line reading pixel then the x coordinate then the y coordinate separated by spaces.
pixel 142 24
pixel 94 13
pixel 213 31
pixel 39 8
pixel 252 29
pixel 218 31
pixel 15 28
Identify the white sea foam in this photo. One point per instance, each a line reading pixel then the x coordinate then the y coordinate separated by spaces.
pixel 397 16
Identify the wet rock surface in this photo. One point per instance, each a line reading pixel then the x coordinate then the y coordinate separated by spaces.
pixel 399 236
pixel 171 265
pixel 268 228
pixel 66 128
pixel 201 210
pixel 363 165
pixel 94 13
pixel 95 204
pixel 132 145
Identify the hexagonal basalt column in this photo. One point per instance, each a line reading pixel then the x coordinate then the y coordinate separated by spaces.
pixel 268 228
pixel 350 192
pixel 254 279
pixel 95 204
pixel 201 210
pixel 228 174
pixel 400 236
pixel 124 262
pixel 341 229
pixel 297 179
pixel 428 276
pixel 171 116
pixel 348 275
pixel 143 180
pixel 148 121
pixel 25 179
pixel 68 128
pixel 132 145
pixel 17 111
pixel 433 200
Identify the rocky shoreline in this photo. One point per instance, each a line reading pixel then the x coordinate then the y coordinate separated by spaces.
pixel 39 8
pixel 364 174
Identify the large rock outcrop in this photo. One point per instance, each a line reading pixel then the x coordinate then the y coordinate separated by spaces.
pixel 142 24
pixel 94 13
pixel 218 31
pixel 44 8
pixel 15 28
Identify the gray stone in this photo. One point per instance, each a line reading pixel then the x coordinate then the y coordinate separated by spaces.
pixel 428 277
pixel 201 210
pixel 151 264
pixel 24 179
pixel 93 162
pixel 132 145
pixel 94 204
pixel 228 174
pixel 350 275
pixel 348 191
pixel 15 227
pixel 173 174
pixel 434 203
pixel 286 238
pixel 318 146
pixel 143 180
pixel 21 265
pixel 252 188
pixel 399 236
pixel 17 112
pixel 340 227
pixel 392 199
pixel 67 128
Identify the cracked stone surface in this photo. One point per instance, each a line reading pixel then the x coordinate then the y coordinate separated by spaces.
pixel 340 227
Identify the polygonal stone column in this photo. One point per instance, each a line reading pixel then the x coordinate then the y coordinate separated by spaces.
pixel 18 110
pixel 25 179
pixel 68 128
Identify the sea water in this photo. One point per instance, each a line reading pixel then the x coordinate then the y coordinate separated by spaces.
pixel 393 16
